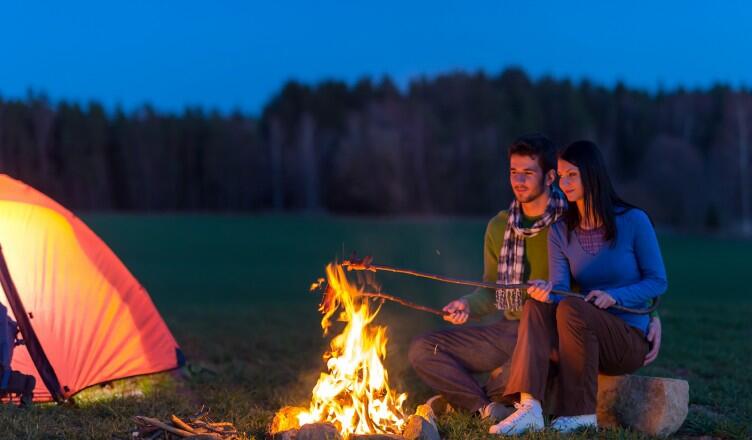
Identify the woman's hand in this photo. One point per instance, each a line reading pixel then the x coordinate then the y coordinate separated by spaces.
pixel 654 338
pixel 540 290
pixel 601 299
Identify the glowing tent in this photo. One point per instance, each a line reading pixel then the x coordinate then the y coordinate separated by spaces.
pixel 84 318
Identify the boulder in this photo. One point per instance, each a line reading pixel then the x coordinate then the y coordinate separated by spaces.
pixel 290 434
pixel 427 413
pixel 418 428
pixel 318 431
pixel 654 405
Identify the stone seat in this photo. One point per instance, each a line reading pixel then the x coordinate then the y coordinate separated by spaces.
pixel 654 405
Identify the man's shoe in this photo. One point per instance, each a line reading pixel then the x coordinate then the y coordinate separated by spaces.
pixel 439 405
pixel 574 423
pixel 528 417
pixel 495 411
pixel 27 396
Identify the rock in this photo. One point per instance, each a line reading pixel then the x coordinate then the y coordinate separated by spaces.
pixel 418 428
pixel 290 434
pixel 286 419
pixel 426 411
pixel 376 437
pixel 318 431
pixel 653 405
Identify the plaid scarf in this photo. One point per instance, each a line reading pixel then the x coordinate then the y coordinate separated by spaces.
pixel 512 254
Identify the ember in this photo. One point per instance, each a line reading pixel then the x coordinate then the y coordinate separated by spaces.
pixel 354 394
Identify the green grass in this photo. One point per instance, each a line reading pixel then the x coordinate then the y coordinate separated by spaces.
pixel 234 291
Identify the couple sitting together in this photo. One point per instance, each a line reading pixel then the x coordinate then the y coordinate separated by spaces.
pixel 579 237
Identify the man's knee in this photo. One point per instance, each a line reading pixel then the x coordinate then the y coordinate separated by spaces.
pixel 420 348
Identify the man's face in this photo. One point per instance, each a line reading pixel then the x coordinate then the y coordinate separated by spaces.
pixel 526 177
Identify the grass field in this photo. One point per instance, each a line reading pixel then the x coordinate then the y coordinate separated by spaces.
pixel 234 291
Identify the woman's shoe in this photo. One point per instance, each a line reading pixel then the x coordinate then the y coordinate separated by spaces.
pixel 528 417
pixel 574 423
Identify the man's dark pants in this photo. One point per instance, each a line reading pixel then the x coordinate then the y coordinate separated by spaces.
pixel 447 360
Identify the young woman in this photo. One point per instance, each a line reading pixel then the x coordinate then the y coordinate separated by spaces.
pixel 609 248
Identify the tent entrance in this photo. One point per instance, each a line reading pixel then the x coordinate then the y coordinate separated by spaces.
pixel 36 351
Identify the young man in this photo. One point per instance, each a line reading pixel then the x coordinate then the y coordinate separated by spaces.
pixel 515 250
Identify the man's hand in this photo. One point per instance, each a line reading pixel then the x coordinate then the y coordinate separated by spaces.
pixel 601 299
pixel 540 290
pixel 654 338
pixel 457 311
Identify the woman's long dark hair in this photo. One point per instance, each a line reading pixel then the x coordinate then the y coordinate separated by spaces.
pixel 601 201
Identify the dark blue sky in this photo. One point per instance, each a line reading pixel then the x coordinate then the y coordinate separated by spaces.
pixel 227 54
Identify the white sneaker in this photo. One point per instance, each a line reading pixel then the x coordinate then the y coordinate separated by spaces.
pixel 574 423
pixel 528 417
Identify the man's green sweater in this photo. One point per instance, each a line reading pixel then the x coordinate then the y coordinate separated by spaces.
pixel 483 301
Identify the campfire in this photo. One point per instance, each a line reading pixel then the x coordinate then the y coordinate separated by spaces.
pixel 353 396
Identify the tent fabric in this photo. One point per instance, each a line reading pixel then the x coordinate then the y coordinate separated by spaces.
pixel 93 319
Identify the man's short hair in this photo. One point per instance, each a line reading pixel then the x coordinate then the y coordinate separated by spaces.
pixel 538 146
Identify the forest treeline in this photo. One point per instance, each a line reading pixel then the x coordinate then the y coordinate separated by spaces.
pixel 436 147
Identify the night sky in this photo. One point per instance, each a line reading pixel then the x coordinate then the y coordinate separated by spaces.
pixel 235 55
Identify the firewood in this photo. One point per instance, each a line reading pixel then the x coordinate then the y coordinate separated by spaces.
pixel 197 427
pixel 141 423
pixel 181 424
pixel 166 427
pixel 214 429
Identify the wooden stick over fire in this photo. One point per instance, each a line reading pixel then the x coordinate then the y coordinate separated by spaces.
pixel 322 286
pixel 366 264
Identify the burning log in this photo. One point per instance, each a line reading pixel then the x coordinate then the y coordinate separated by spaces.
pixel 287 419
pixel 197 427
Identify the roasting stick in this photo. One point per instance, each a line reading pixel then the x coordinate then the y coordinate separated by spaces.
pixel 365 264
pixel 398 300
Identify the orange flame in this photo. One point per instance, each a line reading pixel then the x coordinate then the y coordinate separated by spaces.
pixel 354 395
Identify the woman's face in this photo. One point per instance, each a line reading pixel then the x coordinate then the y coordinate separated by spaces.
pixel 569 180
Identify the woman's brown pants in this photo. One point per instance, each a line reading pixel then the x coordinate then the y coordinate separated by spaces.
pixel 582 341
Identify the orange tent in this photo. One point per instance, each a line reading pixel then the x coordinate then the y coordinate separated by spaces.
pixel 83 317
